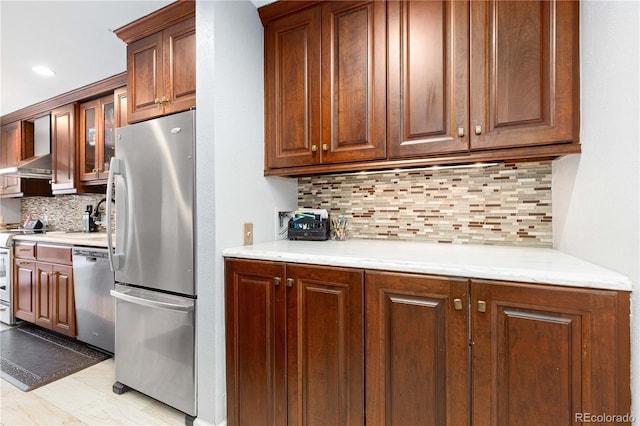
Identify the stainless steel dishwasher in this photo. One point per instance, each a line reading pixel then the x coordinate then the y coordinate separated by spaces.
pixel 95 308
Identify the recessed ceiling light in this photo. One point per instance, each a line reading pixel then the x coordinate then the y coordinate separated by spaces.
pixel 42 70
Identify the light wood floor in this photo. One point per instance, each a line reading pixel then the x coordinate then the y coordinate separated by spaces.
pixel 83 398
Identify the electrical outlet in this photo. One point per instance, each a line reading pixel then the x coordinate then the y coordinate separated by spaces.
pixel 282 218
pixel 248 234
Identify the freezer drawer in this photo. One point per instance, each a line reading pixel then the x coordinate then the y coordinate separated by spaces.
pixel 155 345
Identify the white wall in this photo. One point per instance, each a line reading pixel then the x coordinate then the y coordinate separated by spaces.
pixel 231 188
pixel 596 194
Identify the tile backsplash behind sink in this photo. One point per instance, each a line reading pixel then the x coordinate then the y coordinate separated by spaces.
pixel 63 212
pixel 504 204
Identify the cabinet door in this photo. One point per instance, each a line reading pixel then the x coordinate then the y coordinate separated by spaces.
pixel 292 89
pixel 145 78
pixel 108 137
pixel 353 81
pixel 44 295
pixel 179 60
pixel 325 346
pixel 547 353
pixel 63 133
pixel 417 349
pixel 10 155
pixel 62 303
pixel 90 140
pixel 428 57
pixel 524 73
pixel 24 290
pixel 256 389
pixel 120 107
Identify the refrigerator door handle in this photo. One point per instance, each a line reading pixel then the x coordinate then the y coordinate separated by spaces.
pixel 114 258
pixel 152 303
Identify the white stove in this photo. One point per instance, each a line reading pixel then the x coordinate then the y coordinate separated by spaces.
pixel 6 267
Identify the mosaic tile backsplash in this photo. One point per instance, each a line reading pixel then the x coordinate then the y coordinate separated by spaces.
pixel 504 204
pixel 62 212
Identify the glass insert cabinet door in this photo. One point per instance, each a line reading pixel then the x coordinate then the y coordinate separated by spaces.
pixel 97 139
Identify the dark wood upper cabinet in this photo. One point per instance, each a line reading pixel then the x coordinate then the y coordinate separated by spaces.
pixel 16 143
pixel 161 62
pixel 455 81
pixel 121 108
pixel 353 81
pixel 325 84
pixel 63 145
pixel 428 66
pixel 292 89
pixel 179 55
pixel 524 73
pixel 97 139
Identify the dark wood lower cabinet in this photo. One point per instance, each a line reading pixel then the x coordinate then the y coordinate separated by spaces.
pixel 250 342
pixel 43 291
pixel 295 344
pixel 63 307
pixel 437 350
pixel 548 355
pixel 24 290
pixel 417 350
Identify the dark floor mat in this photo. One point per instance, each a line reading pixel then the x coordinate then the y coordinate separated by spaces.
pixel 31 357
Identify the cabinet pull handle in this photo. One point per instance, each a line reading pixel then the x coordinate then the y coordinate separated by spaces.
pixel 325 147
pixel 457 304
pixel 290 282
pixel 482 306
pixel 24 249
pixel 461 132
pixel 277 281
pixel 24 263
pixel 165 100
pixel 157 101
pixel 314 148
pixel 478 129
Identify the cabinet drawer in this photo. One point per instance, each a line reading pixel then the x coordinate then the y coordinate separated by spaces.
pixel 24 250
pixel 54 254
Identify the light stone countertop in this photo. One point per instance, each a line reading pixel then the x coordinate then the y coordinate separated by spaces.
pixel 521 264
pixel 90 239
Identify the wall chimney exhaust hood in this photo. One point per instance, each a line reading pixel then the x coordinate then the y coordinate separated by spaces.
pixel 38 166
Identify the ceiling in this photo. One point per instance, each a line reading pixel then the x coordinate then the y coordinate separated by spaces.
pixel 73 38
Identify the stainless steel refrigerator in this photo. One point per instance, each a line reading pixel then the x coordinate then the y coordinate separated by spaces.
pixel 153 173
